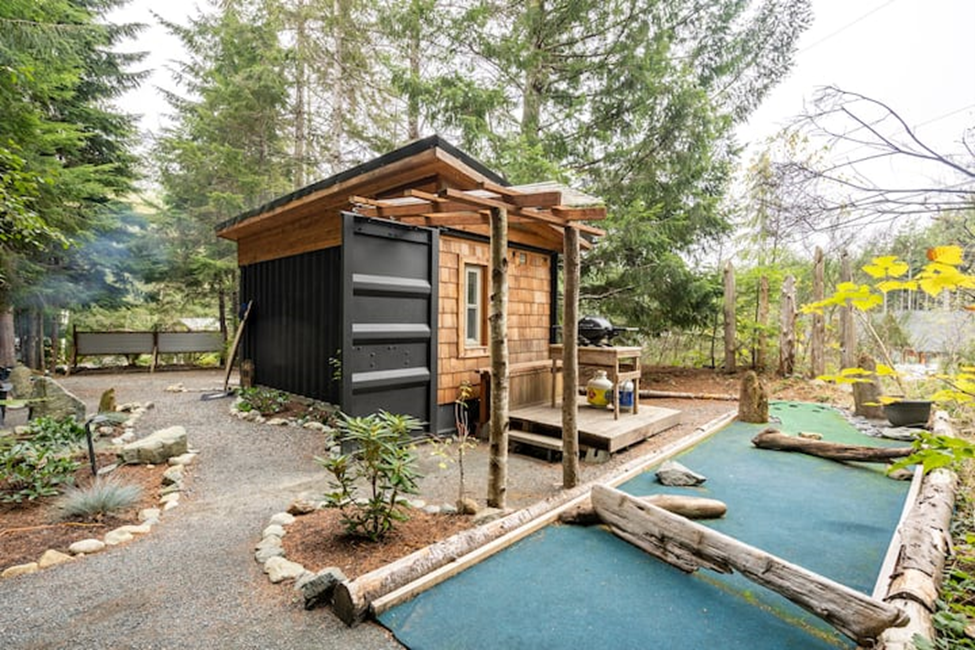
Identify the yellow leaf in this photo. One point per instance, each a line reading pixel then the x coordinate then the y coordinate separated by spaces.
pixel 892 285
pixel 887 266
pixel 946 255
pixel 886 371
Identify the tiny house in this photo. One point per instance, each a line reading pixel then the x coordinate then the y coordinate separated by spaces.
pixel 369 289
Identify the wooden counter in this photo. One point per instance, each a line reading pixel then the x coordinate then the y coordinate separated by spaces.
pixel 621 364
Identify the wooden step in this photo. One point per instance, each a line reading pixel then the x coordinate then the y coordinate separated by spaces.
pixel 535 440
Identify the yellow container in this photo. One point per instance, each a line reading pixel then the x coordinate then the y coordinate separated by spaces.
pixel 599 390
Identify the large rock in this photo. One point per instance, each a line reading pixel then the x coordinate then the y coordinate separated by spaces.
pixel 317 588
pixel 53 558
pixel 87 546
pixel 19 570
pixel 279 569
pixel 21 378
pixel 53 401
pixel 673 473
pixel 157 447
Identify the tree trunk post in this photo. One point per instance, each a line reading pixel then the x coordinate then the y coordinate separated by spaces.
pixel 729 318
pixel 866 394
pixel 498 321
pixel 570 361
pixel 761 346
pixel 817 342
pixel 8 356
pixel 848 336
pixel 787 335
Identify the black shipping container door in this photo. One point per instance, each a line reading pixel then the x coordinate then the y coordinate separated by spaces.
pixel 389 349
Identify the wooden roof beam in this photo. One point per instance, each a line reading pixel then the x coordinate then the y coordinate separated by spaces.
pixel 480 201
pixel 579 214
pixel 545 199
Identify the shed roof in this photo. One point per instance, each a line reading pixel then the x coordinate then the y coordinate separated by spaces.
pixel 464 191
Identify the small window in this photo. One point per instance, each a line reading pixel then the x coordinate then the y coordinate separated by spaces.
pixel 473 305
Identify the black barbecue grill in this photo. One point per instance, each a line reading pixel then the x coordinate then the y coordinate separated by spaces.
pixel 598 331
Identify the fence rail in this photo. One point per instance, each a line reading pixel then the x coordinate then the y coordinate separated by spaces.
pixel 89 344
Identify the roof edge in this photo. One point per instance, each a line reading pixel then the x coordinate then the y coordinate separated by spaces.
pixel 413 148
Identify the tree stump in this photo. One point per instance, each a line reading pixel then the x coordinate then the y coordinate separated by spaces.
pixel 866 394
pixel 753 399
pixel 107 402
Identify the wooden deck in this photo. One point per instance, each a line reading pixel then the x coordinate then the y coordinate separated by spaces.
pixel 597 428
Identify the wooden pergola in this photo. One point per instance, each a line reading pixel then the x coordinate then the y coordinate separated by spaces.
pixel 548 210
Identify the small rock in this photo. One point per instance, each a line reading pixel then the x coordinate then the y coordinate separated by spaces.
pixel 902 474
pixel 467 506
pixel 317 588
pixel 108 469
pixel 169 489
pixel 87 546
pixel 673 473
pixel 269 541
pixel 182 459
pixel 301 506
pixel 19 570
pixel 279 569
pixel 447 509
pixel 431 510
pixel 487 516
pixel 118 536
pixel 104 431
pixel 52 558
pixel 127 437
pixel 170 505
pixel 259 419
pixel 141 529
pixel 128 407
pixel 173 475
pixel 274 530
pixel 148 406
pixel 282 519
pixel 169 498
pixel 899 433
pixel 810 435
pixel 315 426
pixel 175 388
pixel 149 513
pixel 262 555
pixel 278 422
pixel 416 504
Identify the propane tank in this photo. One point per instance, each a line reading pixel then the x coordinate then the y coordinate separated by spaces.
pixel 626 395
pixel 599 390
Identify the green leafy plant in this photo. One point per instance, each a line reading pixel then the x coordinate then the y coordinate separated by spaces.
pixel 29 471
pixel 443 447
pixel 266 401
pixel 102 497
pixel 381 468
pixel 48 432
pixel 932 451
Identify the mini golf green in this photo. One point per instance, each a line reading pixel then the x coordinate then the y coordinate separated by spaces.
pixel 572 587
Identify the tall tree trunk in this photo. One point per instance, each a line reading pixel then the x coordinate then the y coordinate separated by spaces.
pixel 339 81
pixel 55 346
pixel 8 351
pixel 413 105
pixel 570 362
pixel 535 76
pixel 498 319
pixel 817 343
pixel 730 364
pixel 301 85
pixel 761 347
pixel 787 335
pixel 848 336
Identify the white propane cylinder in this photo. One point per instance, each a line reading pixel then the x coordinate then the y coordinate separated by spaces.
pixel 599 390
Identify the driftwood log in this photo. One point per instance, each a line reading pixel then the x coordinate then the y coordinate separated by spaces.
pixel 923 540
pixel 773 439
pixel 690 546
pixel 584 514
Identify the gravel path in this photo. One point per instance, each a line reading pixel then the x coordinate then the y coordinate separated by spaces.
pixel 192 582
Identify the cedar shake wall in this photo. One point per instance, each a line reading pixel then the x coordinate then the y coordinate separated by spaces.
pixel 529 308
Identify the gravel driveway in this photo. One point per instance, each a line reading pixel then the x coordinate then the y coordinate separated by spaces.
pixel 192 582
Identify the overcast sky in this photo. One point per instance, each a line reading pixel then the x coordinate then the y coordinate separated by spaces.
pixel 918 56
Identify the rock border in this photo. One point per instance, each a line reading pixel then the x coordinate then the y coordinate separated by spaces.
pixel 169 494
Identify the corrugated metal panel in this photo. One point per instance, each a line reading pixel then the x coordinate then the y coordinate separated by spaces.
pixel 390 311
pixel 175 342
pixel 295 324
pixel 95 343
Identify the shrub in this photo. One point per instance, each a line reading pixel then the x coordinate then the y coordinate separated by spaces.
pixel 102 497
pixel 266 401
pixel 55 434
pixel 383 462
pixel 29 471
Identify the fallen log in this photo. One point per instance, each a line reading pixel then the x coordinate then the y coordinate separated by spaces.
pixel 778 441
pixel 923 539
pixel 691 507
pixel 690 546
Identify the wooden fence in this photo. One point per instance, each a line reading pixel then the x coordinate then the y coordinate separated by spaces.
pixel 132 344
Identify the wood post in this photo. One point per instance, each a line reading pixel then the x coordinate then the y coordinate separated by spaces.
pixel 498 323
pixel 761 319
pixel 729 317
pixel 848 336
pixel 570 361
pixel 817 340
pixel 690 546
pixel 787 333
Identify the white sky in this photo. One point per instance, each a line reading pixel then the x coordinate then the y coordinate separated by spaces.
pixel 918 56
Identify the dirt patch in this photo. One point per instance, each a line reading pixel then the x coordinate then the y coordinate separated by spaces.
pixel 704 381
pixel 30 528
pixel 318 540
